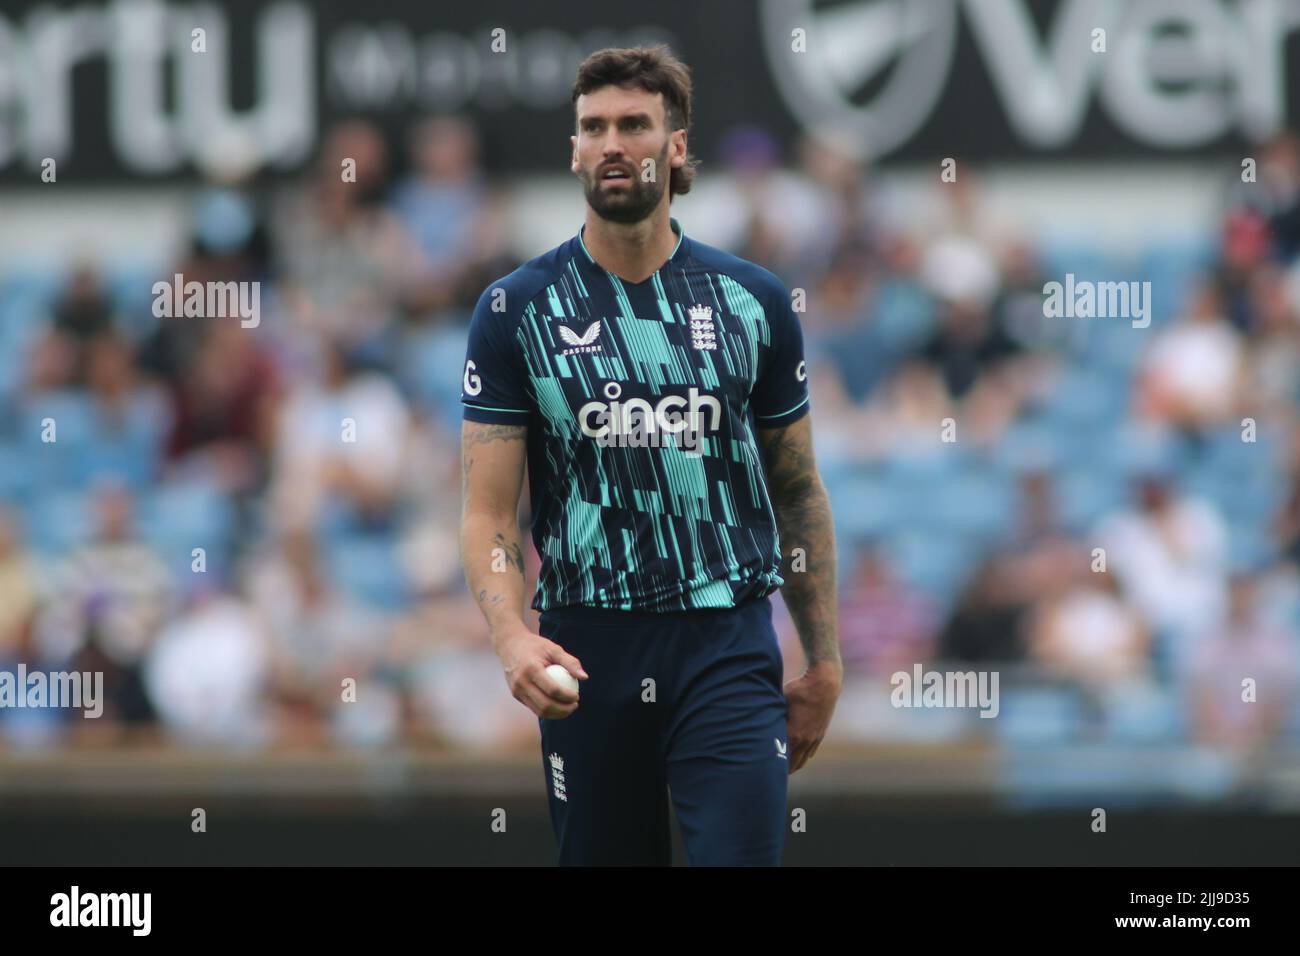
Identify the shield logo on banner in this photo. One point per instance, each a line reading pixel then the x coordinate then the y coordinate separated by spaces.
pixel 873 72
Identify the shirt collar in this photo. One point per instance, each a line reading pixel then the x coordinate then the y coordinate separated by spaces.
pixel 677 249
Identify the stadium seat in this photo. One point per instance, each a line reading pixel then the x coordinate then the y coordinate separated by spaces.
pixel 972 502
pixel 1061 255
pixel 934 562
pixel 130 288
pixel 1034 716
pixel 865 504
pixel 16 479
pixel 903 316
pixel 176 518
pixel 1144 715
pixel 1085 497
pixel 366 567
pixel 429 368
pixel 57 521
pixel 1085 397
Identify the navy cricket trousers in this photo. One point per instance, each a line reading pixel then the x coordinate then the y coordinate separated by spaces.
pixel 684 705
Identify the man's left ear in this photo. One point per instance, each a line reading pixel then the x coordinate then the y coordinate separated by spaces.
pixel 678 158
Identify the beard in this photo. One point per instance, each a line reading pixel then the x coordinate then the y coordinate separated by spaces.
pixel 633 203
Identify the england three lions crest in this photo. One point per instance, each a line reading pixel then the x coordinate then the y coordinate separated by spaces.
pixel 703 334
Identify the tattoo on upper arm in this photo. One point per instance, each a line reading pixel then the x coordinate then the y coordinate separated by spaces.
pixel 475 434
pixel 788 456
pixel 480 434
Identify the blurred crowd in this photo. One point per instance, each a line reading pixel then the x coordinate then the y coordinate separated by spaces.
pixel 252 531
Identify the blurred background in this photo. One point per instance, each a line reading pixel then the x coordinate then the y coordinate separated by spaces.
pixel 200 534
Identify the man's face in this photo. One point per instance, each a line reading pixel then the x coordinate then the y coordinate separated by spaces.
pixel 624 152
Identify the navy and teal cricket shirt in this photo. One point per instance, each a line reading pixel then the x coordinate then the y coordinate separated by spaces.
pixel 641 402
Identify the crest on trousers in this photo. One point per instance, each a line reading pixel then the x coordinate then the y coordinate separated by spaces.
pixel 557 777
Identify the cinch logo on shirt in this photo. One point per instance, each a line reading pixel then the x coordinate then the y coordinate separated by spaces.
pixel 637 423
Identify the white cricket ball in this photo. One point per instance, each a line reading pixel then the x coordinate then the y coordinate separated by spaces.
pixel 562 677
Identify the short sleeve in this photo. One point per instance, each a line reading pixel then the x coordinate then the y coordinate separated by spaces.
pixel 780 394
pixel 494 381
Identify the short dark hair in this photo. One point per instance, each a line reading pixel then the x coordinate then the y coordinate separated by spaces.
pixel 656 70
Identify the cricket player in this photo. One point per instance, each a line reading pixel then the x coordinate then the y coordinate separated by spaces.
pixel 655 392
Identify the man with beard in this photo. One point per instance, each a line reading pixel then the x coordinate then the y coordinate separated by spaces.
pixel 655 391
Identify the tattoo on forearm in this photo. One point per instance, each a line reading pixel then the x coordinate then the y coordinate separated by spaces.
pixel 514 553
pixel 506 549
pixel 806 528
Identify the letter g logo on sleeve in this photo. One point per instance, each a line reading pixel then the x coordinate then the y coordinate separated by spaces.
pixel 473 383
